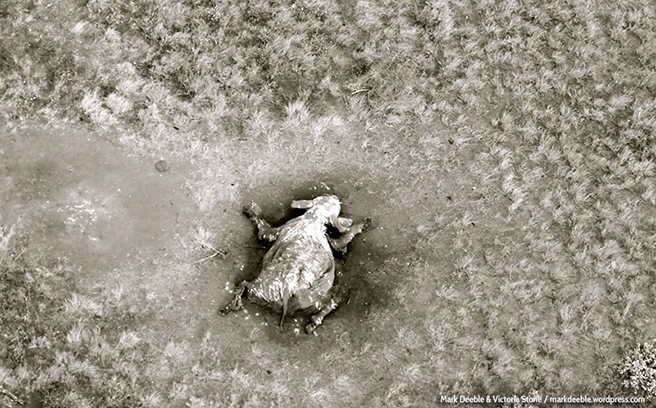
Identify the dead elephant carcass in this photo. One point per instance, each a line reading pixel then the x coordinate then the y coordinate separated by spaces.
pixel 299 270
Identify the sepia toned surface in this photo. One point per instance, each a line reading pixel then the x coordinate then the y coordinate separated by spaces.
pixel 504 150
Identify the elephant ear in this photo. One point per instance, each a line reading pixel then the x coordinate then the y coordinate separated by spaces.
pixel 342 224
pixel 302 204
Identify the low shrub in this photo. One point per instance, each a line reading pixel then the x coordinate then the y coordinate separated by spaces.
pixel 639 369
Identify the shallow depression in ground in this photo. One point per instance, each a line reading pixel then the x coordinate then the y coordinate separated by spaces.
pixel 119 221
pixel 85 201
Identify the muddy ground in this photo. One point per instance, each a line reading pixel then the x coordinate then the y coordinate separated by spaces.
pixel 118 220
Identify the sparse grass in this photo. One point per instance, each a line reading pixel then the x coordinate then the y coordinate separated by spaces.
pixel 63 348
pixel 508 147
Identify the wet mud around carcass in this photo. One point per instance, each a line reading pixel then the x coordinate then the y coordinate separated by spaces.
pixel 365 275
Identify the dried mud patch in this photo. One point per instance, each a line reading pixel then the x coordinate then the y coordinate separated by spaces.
pixel 86 201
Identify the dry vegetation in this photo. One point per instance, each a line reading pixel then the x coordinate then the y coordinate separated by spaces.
pixel 511 145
